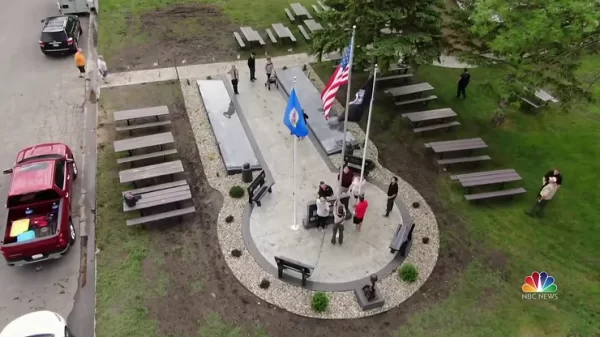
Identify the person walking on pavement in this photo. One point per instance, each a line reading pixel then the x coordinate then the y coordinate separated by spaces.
pixel 102 68
pixel 322 213
pixel 339 216
pixel 463 82
pixel 325 191
pixel 360 212
pixel 269 70
pixel 235 76
pixel 546 194
pixel 80 62
pixel 392 193
pixel 252 66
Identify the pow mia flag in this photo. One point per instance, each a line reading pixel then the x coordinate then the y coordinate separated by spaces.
pixel 360 103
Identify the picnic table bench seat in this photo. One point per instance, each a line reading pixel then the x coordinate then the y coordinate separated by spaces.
pixel 417 100
pixel 160 197
pixel 271 36
pixel 304 33
pixel 157 187
pixel 495 194
pixel 316 9
pixel 146 156
pixel 530 102
pixel 161 216
pixel 325 8
pixel 289 15
pixel 127 115
pixel 487 178
pixel 142 126
pixel 394 77
pixel 151 171
pixel 157 139
pixel 239 40
pixel 446 126
pixel 475 159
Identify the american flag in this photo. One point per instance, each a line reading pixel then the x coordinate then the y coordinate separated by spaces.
pixel 339 78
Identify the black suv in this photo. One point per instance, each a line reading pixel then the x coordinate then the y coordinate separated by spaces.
pixel 60 34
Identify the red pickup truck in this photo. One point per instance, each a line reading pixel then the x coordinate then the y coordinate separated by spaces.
pixel 39 225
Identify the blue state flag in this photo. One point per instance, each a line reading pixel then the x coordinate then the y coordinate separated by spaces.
pixel 294 116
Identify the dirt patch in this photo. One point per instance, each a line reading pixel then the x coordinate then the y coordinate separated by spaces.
pixel 196 33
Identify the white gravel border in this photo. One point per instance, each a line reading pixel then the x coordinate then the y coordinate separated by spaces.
pixel 343 305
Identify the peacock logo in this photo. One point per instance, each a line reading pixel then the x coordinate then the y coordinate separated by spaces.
pixel 539 286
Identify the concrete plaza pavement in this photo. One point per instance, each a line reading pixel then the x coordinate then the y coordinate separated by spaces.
pixel 41 101
pixel 361 253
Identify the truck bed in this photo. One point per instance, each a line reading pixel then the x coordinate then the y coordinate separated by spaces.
pixel 43 222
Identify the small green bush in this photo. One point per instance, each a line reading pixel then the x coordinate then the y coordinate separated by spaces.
pixel 320 301
pixel 236 192
pixel 408 273
pixel 209 77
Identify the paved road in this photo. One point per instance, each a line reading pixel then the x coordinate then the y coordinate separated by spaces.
pixel 41 100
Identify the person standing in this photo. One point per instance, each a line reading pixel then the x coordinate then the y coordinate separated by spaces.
pixel 463 82
pixel 102 68
pixel 252 66
pixel 356 187
pixel 80 62
pixel 339 216
pixel 546 194
pixel 322 213
pixel 346 181
pixel 392 193
pixel 325 191
pixel 235 76
pixel 360 211
pixel 269 70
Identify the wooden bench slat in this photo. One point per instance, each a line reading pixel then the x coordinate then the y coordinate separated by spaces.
pixel 416 100
pixel 151 171
pixel 491 181
pixel 157 187
pixel 167 199
pixel 474 174
pixel 301 28
pixel 271 36
pixel 289 15
pixel 160 216
pixel 394 77
pixel 495 194
pixel 142 126
pixel 239 40
pixel 436 127
pixel 146 156
pixel 463 160
pixel 153 195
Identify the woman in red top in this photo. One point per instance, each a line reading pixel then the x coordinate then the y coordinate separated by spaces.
pixel 360 211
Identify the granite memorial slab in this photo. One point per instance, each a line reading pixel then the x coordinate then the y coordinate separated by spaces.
pixel 328 133
pixel 231 136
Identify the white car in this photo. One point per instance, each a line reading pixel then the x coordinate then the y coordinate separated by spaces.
pixel 37 324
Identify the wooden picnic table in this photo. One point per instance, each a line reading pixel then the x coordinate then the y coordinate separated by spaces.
pixel 127 115
pixel 487 178
pixel 418 88
pixel 457 145
pixel 251 35
pixel 130 144
pixel 151 171
pixel 160 197
pixel 313 25
pixel 300 10
pixel 282 31
pixel 416 118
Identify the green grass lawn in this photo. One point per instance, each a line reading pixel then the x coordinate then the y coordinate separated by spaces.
pixel 564 243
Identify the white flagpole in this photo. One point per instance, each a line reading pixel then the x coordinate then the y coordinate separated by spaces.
pixel 339 192
pixel 295 225
pixel 364 158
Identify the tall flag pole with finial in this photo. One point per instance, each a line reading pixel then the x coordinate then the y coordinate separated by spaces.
pixel 294 120
pixel 364 157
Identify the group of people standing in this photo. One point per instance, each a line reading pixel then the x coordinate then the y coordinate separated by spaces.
pixel 235 75
pixel 354 186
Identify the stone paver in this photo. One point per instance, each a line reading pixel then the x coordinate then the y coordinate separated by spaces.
pixel 366 252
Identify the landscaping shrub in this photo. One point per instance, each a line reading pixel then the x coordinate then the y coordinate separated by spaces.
pixel 264 284
pixel 229 219
pixel 320 301
pixel 236 253
pixel 408 273
pixel 415 204
pixel 425 240
pixel 236 192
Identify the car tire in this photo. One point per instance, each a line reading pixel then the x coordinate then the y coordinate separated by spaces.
pixel 72 232
pixel 11 264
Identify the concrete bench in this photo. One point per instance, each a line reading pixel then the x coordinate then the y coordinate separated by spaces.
pixel 446 126
pixel 304 33
pixel 316 9
pixel 402 238
pixel 146 156
pixel 271 36
pixel 287 263
pixel 496 194
pixel 161 216
pixel 142 126
pixel 239 40
pixel 475 159
pixel 160 197
pixel 289 15
pixel 417 100
pixel 394 77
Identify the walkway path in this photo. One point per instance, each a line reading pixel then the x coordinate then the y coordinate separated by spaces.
pixel 361 253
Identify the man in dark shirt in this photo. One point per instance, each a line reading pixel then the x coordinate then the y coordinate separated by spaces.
pixel 325 190
pixel 252 66
pixel 463 82
pixel 392 193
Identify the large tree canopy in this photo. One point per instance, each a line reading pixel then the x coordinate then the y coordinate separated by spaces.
pixel 538 44
pixel 385 30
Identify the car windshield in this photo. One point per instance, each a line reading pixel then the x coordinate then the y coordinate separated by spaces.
pixel 54 36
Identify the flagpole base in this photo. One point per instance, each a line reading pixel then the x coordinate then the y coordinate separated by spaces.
pixel 295 227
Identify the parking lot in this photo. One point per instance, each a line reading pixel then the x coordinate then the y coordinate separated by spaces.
pixel 41 100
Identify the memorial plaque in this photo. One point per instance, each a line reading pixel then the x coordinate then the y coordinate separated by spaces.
pixel 328 133
pixel 233 141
